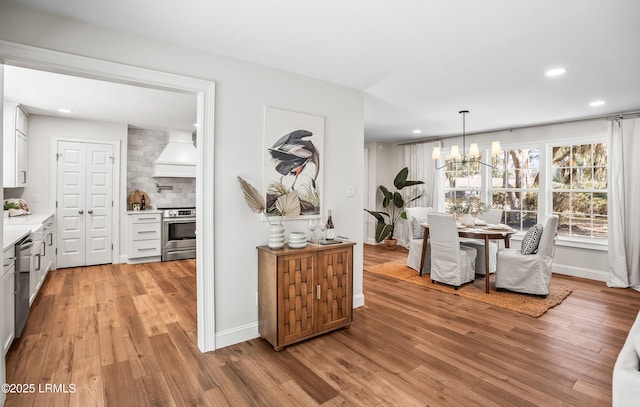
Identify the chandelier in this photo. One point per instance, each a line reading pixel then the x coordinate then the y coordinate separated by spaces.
pixel 474 153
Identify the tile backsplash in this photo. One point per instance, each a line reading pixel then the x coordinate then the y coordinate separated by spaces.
pixel 143 147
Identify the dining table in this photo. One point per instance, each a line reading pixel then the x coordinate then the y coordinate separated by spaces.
pixel 481 232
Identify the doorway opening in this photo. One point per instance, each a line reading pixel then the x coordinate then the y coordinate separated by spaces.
pixel 72 65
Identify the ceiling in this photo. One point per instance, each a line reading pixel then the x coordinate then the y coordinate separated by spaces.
pixel 45 92
pixel 418 61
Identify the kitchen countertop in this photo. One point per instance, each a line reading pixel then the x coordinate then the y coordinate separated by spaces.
pixel 17 227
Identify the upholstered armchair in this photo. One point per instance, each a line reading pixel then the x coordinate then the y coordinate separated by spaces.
pixel 493 216
pixel 451 263
pixel 528 273
pixel 416 216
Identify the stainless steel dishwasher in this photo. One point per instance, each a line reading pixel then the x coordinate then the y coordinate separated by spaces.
pixel 23 269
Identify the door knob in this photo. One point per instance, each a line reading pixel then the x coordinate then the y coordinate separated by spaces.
pixel 80 211
pixel 90 211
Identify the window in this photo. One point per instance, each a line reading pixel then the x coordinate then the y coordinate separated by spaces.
pixel 514 186
pixel 579 189
pixel 463 181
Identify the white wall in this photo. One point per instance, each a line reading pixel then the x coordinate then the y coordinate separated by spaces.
pixel 242 92
pixel 582 260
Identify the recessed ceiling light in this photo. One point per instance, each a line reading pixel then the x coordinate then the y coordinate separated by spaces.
pixel 596 103
pixel 66 111
pixel 417 131
pixel 556 71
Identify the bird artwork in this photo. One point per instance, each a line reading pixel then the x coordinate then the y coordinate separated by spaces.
pixel 292 154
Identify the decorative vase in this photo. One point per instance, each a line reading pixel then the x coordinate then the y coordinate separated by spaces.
pixel 276 236
pixel 467 220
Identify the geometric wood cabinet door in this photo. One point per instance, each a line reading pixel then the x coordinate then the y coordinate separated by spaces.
pixel 304 292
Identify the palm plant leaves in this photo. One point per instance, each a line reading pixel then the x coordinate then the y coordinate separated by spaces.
pixel 252 196
pixel 288 205
pixel 395 202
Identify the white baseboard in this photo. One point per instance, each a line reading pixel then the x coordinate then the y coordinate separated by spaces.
pixel 372 241
pixel 235 335
pixel 597 275
pixel 358 301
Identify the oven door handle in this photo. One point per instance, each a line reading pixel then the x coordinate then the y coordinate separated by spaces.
pixel 179 221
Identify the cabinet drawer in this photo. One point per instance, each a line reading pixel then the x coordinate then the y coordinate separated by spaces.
pixel 145 248
pixel 145 218
pixel 145 231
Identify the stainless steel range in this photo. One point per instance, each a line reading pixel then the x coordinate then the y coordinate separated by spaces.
pixel 178 233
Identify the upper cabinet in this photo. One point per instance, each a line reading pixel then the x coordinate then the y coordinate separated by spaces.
pixel 15 146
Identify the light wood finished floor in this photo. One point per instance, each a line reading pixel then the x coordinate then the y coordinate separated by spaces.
pixel 125 335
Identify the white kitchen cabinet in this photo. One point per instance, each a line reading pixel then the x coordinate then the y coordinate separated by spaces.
pixel 48 247
pixel 8 288
pixel 35 276
pixel 43 253
pixel 14 146
pixel 145 233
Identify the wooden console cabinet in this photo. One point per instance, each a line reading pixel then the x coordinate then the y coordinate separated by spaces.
pixel 304 292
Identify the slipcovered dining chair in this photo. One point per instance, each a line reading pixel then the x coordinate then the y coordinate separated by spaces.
pixel 529 273
pixel 492 216
pixel 451 263
pixel 416 216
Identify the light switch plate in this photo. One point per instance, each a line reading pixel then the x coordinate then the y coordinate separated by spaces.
pixel 351 191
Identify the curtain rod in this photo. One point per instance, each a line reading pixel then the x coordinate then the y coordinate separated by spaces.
pixel 616 116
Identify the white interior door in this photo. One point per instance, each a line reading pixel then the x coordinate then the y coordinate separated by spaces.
pixel 84 203
pixel 98 203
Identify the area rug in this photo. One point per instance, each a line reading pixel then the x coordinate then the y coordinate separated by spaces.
pixel 530 305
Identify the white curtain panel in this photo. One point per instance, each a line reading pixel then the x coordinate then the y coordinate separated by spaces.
pixel 417 157
pixel 623 202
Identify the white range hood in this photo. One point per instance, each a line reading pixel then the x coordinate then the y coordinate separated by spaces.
pixel 178 159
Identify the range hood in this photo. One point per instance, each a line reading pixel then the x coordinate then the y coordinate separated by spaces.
pixel 178 159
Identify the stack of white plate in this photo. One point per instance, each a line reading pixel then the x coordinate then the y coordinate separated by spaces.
pixel 297 240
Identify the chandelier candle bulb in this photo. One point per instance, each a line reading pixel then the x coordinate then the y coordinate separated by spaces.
pixel 435 155
pixel 473 150
pixel 495 148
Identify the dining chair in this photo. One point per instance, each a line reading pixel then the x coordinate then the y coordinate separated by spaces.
pixel 416 216
pixel 529 273
pixel 492 216
pixel 451 263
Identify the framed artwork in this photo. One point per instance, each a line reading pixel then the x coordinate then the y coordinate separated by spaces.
pixel 293 157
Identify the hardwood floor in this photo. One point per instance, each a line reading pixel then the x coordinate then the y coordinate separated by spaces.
pixel 125 335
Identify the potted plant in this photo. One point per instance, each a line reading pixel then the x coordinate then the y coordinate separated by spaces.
pixel 468 209
pixel 286 205
pixel 394 204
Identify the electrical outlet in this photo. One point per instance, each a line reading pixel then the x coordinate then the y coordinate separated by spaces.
pixel 35 198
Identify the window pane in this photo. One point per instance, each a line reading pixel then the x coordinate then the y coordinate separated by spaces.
pixel 600 178
pixel 583 178
pixel 530 202
pixel 600 155
pixel 600 227
pixel 581 225
pixel 562 178
pixel 600 203
pixel 513 219
pixel 563 225
pixel 498 199
pixel 529 219
pixel 581 155
pixel 581 203
pixel 561 156
pixel 561 202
